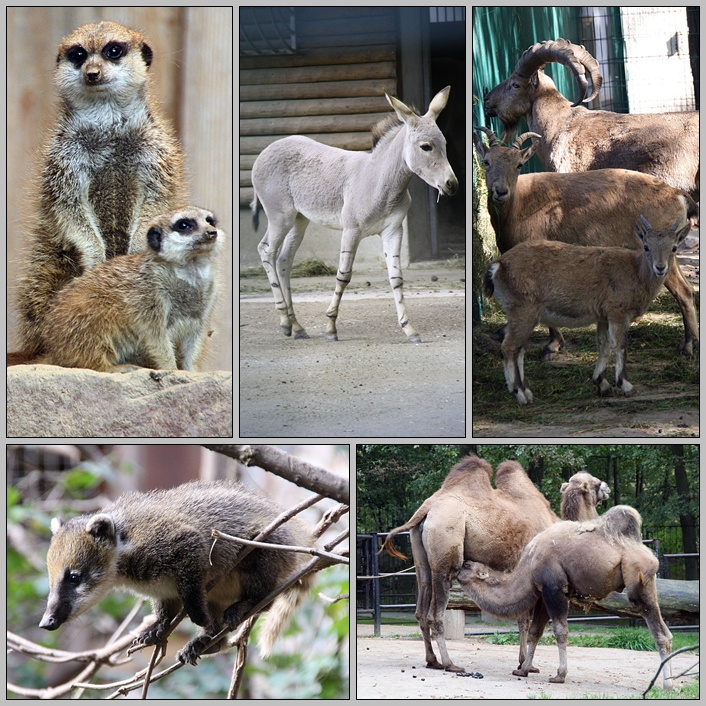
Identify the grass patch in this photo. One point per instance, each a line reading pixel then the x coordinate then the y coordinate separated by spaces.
pixel 563 388
pixel 252 272
pixel 617 638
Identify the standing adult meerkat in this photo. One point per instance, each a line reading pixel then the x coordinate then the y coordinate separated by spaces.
pixel 111 164
pixel 148 309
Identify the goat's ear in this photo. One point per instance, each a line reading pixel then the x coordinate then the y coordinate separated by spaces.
pixel 684 232
pixel 641 228
pixel 478 142
pixel 529 151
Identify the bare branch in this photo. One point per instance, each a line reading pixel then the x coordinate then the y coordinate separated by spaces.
pixel 293 469
pixel 278 547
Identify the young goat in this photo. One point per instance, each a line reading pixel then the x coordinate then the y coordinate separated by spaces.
pixel 569 285
pixel 586 208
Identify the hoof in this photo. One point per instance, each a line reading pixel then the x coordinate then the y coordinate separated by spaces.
pixel 434 665
pixel 687 347
pixel 331 336
pixel 519 673
pixel 286 330
pixel 415 338
pixel 556 680
pixel 454 668
pixel 603 388
pixel 301 334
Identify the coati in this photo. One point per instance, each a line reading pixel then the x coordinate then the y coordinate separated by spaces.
pixel 110 165
pixel 150 309
pixel 157 545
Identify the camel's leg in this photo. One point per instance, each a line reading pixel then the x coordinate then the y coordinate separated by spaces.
pixel 440 589
pixel 681 291
pixel 423 569
pixel 285 260
pixel 557 605
pixel 523 623
pixel 540 617
pixel 642 593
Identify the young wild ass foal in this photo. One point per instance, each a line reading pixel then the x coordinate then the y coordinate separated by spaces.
pixel 298 180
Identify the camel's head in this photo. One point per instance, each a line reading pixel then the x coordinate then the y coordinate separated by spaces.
pixel 473 570
pixel 581 495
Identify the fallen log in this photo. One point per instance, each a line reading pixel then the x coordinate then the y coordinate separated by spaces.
pixel 678 601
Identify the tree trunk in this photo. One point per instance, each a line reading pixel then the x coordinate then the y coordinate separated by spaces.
pixel 686 519
pixel 466 449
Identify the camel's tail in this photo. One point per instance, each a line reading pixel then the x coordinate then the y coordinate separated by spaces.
pixel 279 613
pixel 255 208
pixel 416 519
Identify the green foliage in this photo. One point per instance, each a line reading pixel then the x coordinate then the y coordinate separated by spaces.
pixel 393 479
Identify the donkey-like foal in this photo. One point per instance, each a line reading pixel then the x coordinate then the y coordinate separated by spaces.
pixel 298 180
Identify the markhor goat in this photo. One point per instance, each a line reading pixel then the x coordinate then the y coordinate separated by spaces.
pixel 575 139
pixel 569 285
pixel 587 208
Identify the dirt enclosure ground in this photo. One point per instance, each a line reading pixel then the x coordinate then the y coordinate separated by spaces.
pixel 395 669
pixel 371 383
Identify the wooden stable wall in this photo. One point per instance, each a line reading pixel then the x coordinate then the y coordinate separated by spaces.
pixel 331 89
pixel 193 78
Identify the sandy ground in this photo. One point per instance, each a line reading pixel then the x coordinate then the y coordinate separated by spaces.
pixel 394 668
pixel 371 383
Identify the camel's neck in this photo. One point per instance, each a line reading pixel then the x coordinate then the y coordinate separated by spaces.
pixel 577 510
pixel 507 595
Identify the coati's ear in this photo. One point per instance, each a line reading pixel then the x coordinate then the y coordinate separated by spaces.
pixel 154 238
pixel 56 525
pixel 101 528
pixel 147 54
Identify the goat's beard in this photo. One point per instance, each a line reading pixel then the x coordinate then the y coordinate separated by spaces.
pixel 510 131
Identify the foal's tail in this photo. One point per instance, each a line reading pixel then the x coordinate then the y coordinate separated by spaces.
pixel 255 207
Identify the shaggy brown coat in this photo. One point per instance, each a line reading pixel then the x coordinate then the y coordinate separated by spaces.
pixel 584 561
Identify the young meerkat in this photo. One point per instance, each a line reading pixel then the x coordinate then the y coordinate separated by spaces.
pixel 111 164
pixel 148 309
pixel 159 545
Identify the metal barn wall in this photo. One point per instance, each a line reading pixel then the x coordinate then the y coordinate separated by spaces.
pixel 192 75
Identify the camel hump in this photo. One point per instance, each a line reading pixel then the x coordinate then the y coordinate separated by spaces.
pixel 622 522
pixel 469 468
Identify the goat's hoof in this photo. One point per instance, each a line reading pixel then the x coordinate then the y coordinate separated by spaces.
pixel 549 354
pixel 286 330
pixel 519 672
pixel 301 334
pixel 603 388
pixel 556 680
pixel 523 396
pixel 628 389
pixel 415 338
pixel 687 347
pixel 434 665
pixel 331 336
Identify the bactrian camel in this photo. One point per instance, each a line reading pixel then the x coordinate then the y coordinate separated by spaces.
pixel 469 519
pixel 578 561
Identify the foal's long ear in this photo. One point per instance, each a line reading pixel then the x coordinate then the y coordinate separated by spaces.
pixel 438 102
pixel 404 112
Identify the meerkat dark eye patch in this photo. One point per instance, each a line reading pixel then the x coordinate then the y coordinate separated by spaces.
pixel 77 55
pixel 211 220
pixel 184 225
pixel 114 50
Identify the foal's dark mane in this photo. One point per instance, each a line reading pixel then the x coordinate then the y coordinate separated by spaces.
pixel 388 127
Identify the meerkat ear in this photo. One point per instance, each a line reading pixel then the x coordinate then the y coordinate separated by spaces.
pixel 154 238
pixel 147 54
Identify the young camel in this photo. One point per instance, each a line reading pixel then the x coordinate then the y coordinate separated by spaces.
pixel 580 561
pixel 580 496
pixel 469 519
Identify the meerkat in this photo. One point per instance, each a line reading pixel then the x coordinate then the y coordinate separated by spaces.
pixel 158 545
pixel 148 309
pixel 111 164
